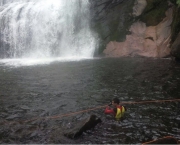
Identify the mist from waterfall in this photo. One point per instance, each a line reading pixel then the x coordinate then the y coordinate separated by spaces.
pixel 46 29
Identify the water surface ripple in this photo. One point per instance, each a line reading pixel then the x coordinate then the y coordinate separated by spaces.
pixel 62 87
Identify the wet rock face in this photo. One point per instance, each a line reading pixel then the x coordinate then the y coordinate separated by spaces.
pixel 144 28
pixel 154 11
pixel 114 19
pixel 176 34
pixel 139 7
pixel 110 19
pixel 146 41
pixel 176 48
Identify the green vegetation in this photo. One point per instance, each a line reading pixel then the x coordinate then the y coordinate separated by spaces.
pixel 175 2
pixel 178 2
pixel 175 24
pixel 154 12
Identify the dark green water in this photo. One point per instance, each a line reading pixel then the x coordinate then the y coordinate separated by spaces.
pixel 62 87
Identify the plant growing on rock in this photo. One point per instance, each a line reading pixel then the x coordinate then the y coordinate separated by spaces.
pixel 178 2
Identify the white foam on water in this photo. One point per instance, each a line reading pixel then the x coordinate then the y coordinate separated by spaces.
pixel 41 61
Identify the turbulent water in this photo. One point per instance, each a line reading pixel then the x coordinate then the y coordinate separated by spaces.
pixel 45 29
pixel 30 92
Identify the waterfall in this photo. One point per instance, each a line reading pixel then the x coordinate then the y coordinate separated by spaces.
pixel 45 29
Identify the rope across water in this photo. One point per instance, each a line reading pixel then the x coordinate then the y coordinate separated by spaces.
pixel 95 108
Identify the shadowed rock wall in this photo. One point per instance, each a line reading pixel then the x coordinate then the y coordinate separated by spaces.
pixel 111 19
pixel 146 28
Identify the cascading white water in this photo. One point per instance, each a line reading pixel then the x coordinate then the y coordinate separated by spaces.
pixel 45 29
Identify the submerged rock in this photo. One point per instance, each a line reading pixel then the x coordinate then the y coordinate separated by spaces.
pixel 83 126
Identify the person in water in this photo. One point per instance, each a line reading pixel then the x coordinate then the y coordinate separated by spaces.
pixel 117 111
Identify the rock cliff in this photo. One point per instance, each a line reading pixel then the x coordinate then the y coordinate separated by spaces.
pixel 146 28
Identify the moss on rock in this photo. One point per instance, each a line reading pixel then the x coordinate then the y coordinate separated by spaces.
pixel 111 21
pixel 175 24
pixel 154 12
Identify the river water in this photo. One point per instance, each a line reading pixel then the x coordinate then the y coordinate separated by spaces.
pixel 62 87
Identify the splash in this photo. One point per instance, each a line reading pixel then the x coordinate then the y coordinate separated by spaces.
pixel 19 62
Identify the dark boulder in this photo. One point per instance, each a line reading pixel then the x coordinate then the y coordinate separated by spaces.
pixel 82 126
pixel 176 48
